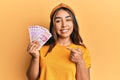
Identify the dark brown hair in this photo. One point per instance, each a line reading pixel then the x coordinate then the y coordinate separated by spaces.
pixel 75 36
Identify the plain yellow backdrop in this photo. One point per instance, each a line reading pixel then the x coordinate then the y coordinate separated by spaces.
pixel 99 22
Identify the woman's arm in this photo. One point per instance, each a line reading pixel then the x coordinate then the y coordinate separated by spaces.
pixel 76 56
pixel 33 71
pixel 82 73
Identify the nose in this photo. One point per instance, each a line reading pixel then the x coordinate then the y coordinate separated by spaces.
pixel 63 23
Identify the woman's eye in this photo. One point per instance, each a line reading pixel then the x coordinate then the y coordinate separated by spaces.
pixel 68 20
pixel 57 21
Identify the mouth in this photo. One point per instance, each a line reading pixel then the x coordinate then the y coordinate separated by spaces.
pixel 64 30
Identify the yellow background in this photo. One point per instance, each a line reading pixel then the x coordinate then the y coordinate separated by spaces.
pixel 99 22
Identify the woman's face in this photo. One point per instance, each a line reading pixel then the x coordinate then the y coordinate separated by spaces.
pixel 63 24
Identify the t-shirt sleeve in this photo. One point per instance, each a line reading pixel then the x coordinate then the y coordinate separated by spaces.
pixel 86 57
pixel 43 50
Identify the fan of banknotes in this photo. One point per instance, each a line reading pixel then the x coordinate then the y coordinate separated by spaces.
pixel 40 34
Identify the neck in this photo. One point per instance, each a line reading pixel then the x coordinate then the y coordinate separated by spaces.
pixel 64 41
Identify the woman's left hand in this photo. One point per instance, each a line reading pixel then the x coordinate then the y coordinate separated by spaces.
pixel 76 55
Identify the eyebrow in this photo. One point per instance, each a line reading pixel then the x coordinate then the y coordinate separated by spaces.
pixel 60 17
pixel 67 16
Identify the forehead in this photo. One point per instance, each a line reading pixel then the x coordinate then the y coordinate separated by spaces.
pixel 62 13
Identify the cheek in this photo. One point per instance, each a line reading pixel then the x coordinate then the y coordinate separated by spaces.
pixel 72 26
pixel 71 30
pixel 57 28
pixel 70 23
pixel 58 25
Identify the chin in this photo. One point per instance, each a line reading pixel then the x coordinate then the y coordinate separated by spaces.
pixel 65 36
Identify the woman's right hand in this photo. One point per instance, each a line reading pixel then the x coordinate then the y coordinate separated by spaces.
pixel 33 49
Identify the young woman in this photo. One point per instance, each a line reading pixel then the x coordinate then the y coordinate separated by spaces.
pixel 64 56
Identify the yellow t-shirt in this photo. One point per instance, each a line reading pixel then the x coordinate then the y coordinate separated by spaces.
pixel 57 66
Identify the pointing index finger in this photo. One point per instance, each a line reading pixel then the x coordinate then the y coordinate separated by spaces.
pixel 69 48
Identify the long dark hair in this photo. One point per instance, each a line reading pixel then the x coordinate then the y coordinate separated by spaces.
pixel 75 36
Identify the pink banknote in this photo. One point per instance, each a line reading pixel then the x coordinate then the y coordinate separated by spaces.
pixel 40 34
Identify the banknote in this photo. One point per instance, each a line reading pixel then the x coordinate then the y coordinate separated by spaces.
pixel 39 33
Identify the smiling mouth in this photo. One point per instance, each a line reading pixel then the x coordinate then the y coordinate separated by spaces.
pixel 64 30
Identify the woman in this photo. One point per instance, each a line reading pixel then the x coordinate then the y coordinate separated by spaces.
pixel 64 56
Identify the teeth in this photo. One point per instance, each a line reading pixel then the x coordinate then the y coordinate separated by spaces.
pixel 64 30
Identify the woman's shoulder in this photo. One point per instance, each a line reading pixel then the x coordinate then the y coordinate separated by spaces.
pixel 44 47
